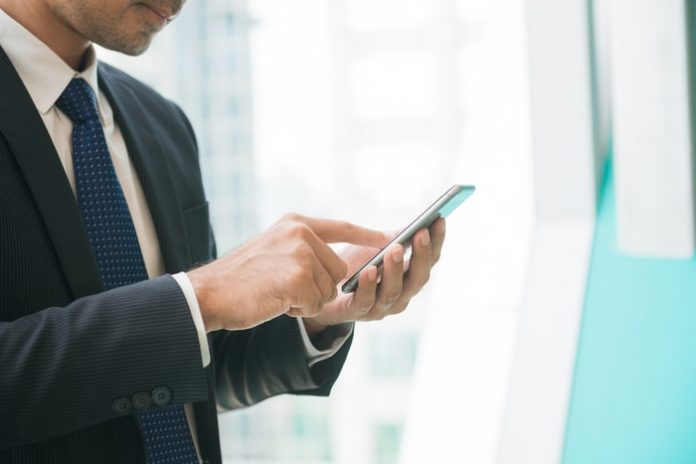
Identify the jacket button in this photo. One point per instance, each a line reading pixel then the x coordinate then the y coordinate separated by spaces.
pixel 142 401
pixel 161 396
pixel 122 406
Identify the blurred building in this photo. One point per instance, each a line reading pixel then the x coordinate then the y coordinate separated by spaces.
pixel 214 86
pixel 201 61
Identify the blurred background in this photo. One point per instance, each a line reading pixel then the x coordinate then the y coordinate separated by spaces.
pixel 557 326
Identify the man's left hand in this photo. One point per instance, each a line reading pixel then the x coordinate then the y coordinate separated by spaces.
pixel 373 300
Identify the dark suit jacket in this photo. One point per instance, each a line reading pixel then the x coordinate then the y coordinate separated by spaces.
pixel 70 352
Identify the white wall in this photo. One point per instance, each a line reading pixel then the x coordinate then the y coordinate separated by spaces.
pixel 652 128
pixel 565 144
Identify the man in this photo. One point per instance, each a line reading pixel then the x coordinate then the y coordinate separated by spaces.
pixel 113 346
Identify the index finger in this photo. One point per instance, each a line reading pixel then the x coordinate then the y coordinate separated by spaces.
pixel 332 263
pixel 331 231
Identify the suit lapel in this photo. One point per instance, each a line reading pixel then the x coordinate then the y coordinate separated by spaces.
pixel 26 134
pixel 36 156
pixel 152 167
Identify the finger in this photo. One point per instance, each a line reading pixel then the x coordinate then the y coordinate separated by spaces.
pixel 437 237
pixel 420 264
pixel 356 256
pixel 399 307
pixel 334 265
pixel 317 302
pixel 331 231
pixel 392 278
pixel 308 299
pixel 364 296
pixel 326 285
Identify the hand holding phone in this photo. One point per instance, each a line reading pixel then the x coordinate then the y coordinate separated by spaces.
pixel 442 207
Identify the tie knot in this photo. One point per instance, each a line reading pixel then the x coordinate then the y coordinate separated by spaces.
pixel 78 101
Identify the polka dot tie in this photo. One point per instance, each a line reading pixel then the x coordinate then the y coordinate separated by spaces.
pixel 111 232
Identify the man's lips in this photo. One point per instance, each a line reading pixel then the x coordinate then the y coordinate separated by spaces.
pixel 163 13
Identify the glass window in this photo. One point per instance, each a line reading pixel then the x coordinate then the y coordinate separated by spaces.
pixel 392 355
pixel 365 111
pixel 387 438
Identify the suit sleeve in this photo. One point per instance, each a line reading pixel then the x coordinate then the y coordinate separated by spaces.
pixel 268 360
pixel 66 368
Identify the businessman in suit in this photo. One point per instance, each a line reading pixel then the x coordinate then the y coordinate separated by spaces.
pixel 121 334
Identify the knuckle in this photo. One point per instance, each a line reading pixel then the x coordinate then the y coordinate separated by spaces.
pixel 361 308
pixel 347 226
pixel 366 306
pixel 362 311
pixel 298 277
pixel 389 297
pixel 367 317
pixel 291 217
pixel 300 230
pixel 400 308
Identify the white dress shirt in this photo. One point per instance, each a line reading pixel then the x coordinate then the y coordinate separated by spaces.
pixel 45 76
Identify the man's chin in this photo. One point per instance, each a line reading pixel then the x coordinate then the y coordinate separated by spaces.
pixel 131 49
pixel 135 51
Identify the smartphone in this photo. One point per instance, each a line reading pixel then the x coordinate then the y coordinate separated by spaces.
pixel 444 205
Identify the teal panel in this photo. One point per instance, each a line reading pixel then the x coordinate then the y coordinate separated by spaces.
pixel 634 391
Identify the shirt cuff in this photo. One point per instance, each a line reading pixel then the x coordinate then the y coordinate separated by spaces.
pixel 190 294
pixel 340 334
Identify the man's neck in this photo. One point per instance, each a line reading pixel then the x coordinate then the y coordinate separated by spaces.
pixel 38 18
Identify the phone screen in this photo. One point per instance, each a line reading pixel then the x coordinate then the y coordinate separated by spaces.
pixel 442 207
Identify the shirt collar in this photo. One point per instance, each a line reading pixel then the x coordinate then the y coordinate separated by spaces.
pixel 43 72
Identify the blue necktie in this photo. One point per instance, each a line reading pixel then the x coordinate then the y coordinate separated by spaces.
pixel 111 232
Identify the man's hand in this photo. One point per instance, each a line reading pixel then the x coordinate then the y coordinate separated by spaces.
pixel 288 268
pixel 400 281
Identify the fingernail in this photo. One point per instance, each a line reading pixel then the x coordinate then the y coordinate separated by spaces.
pixel 372 274
pixel 398 257
pixel 425 239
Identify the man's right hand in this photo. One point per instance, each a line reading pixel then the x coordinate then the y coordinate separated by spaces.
pixel 287 269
